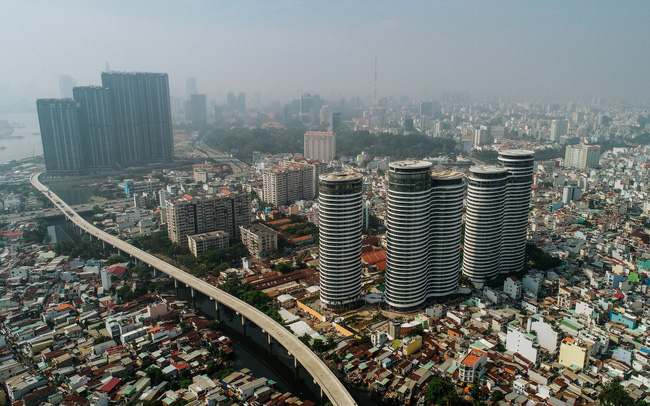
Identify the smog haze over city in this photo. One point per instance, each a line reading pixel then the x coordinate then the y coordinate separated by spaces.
pixel 288 202
pixel 540 50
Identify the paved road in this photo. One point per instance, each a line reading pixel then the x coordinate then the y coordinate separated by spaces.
pixel 36 214
pixel 328 382
pixel 236 165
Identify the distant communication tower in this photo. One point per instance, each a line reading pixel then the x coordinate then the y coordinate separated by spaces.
pixel 375 91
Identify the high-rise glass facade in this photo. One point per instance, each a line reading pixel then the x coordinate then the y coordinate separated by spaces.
pixel 142 112
pixel 96 123
pixel 448 189
pixel 519 164
pixel 408 220
pixel 340 225
pixel 484 211
pixel 61 136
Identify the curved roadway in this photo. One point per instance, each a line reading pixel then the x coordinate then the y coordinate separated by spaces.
pixel 323 377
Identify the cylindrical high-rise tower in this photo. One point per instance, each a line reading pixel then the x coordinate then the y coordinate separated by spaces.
pixel 485 204
pixel 519 164
pixel 339 205
pixel 408 237
pixel 446 229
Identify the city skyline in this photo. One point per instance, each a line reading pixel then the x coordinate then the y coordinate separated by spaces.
pixel 537 50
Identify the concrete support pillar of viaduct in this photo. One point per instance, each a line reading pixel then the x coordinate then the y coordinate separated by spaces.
pixel 193 294
pixel 296 365
pixel 216 310
pixel 269 341
pixel 243 325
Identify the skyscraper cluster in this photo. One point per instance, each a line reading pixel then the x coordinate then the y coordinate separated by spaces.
pixel 496 216
pixel 126 121
pixel 424 220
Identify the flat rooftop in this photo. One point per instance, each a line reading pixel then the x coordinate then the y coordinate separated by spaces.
pixel 516 152
pixel 487 169
pixel 447 175
pixel 410 164
pixel 340 176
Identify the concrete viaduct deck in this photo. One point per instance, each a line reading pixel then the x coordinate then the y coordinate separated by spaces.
pixel 328 382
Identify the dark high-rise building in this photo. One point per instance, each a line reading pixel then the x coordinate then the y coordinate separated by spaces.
pixel 143 122
pixel 66 83
pixel 61 137
pixel 237 103
pixel 97 126
pixel 195 109
pixel 190 87
pixel 408 125
pixel 241 102
pixel 335 122
pixel 426 109
pixel 306 107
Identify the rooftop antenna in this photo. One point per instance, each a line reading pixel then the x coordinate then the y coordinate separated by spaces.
pixel 107 68
pixel 375 91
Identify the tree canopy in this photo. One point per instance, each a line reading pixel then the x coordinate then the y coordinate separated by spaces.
pixel 243 141
pixel 614 394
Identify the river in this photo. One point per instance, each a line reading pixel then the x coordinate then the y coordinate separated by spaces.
pixel 25 125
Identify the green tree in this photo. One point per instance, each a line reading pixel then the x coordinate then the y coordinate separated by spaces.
pixel 614 394
pixel 442 392
pixel 283 267
pixel 476 391
pixel 116 259
pixel 496 396
pixel 141 271
pixel 155 374
pixel 38 234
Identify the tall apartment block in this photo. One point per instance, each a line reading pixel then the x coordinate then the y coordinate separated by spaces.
pixel 484 211
pixel 295 181
pixel 559 128
pixel 61 136
pixel 424 230
pixel 196 110
pixel 318 168
pixel 97 125
pixel 340 222
pixel 582 156
pixel 125 121
pixel 143 123
pixel 320 145
pixel 424 221
pixel 335 122
pixel 448 189
pixel 189 215
pixel 519 164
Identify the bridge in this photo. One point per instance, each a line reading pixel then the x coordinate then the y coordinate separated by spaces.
pixel 328 383
pixel 46 213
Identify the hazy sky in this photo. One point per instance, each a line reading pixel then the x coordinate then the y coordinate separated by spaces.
pixel 522 49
